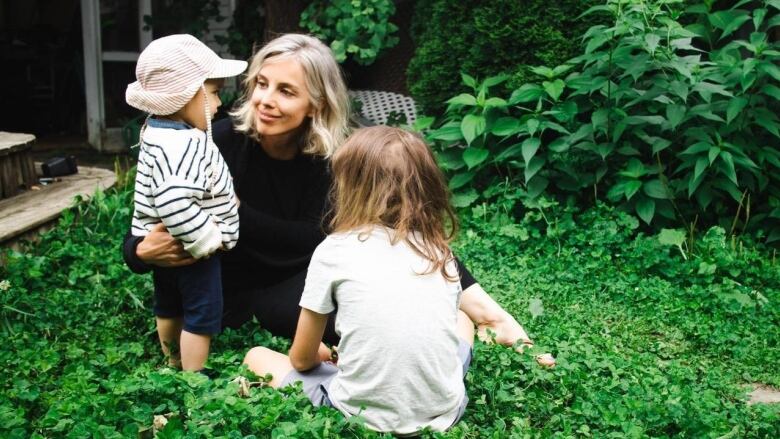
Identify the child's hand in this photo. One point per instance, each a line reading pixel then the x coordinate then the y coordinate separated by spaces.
pixel 325 353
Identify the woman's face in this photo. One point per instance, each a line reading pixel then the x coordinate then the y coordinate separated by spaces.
pixel 280 98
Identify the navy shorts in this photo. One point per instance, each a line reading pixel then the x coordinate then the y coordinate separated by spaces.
pixel 193 292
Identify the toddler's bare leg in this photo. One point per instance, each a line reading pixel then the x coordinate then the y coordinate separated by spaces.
pixel 169 332
pixel 263 361
pixel 194 350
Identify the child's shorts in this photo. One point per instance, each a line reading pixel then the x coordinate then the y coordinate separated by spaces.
pixel 193 292
pixel 315 381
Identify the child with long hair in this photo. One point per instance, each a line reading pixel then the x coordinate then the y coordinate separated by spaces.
pixel 387 271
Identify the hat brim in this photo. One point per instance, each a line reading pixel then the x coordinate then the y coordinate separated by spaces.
pixel 227 68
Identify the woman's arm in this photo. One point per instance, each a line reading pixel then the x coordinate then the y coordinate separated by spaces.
pixel 304 353
pixel 158 248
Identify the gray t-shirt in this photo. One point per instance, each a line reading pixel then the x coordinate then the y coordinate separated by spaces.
pixel 398 355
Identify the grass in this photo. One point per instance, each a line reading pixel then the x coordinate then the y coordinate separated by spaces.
pixel 649 344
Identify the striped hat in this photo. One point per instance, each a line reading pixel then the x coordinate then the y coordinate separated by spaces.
pixel 172 69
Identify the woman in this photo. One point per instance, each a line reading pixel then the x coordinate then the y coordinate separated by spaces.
pixel 293 115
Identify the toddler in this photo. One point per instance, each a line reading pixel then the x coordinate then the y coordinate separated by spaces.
pixel 183 184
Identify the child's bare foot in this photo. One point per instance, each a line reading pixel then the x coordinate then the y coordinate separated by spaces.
pixel 508 332
pixel 545 360
pixel 505 328
pixel 174 362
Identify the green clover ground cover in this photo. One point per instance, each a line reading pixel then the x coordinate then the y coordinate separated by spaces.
pixel 652 339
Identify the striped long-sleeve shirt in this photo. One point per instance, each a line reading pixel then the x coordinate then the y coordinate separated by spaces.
pixel 183 182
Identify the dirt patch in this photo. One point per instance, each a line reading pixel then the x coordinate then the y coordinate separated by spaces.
pixel 763 394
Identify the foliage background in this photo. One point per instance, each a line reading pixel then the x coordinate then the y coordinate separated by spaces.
pixel 669 111
pixel 488 38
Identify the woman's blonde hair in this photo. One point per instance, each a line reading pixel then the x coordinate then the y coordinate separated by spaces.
pixel 328 127
pixel 388 177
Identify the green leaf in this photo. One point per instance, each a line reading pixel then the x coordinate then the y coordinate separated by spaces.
pixel 652 41
pixel 468 80
pixel 543 71
pixel 450 159
pixel 697 148
pixel 680 89
pixel 701 165
pixel 533 166
pixel 463 99
pixel 630 188
pixel 707 89
pixel 561 69
pixel 597 41
pixel 554 88
pixel 660 144
pixel 645 208
pixel 508 153
pixel 693 184
pixel 458 180
pixel 774 21
pixel 766 119
pixel 713 153
pixel 771 90
pixel 675 114
pixel 735 107
pixel 447 133
pixel 599 118
pixel 536 186
pixel 526 93
pixel 495 102
pixel 530 146
pixel 532 125
pixel 559 145
pixel 728 21
pixel 535 307
pixel 464 199
pixel 656 189
pixel 671 237
pixel 494 80
pixel 770 69
pixel 505 126
pixel 423 123
pixel 729 170
pixel 474 156
pixel 472 126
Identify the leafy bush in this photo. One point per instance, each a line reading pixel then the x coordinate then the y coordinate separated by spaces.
pixel 676 123
pixel 359 29
pixel 487 38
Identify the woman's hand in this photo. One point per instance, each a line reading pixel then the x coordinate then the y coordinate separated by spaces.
pixel 160 249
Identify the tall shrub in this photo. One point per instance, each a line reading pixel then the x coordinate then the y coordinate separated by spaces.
pixel 487 38
pixel 676 123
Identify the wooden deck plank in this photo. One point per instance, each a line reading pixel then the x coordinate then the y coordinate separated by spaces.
pixel 31 209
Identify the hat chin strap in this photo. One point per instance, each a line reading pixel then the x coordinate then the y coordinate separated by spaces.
pixel 208 112
pixel 209 139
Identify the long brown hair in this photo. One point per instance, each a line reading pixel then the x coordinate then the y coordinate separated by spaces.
pixel 388 177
